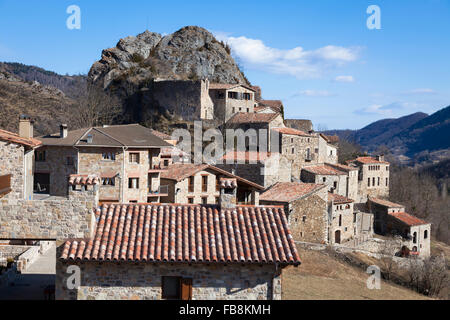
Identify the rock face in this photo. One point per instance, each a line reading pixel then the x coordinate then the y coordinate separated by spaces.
pixel 189 54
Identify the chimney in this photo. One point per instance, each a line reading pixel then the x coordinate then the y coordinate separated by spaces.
pixel 63 131
pixel 228 189
pixel 25 127
pixel 380 157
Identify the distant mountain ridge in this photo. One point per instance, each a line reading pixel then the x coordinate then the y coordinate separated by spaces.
pixel 408 136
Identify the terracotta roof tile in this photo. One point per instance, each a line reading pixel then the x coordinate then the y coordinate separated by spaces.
pixel 338 199
pixel 15 138
pixel 386 203
pixel 83 180
pixel 324 170
pixel 407 218
pixel 274 104
pixel 292 131
pixel 172 233
pixel 228 86
pixel 242 117
pixel 289 191
pixel 367 160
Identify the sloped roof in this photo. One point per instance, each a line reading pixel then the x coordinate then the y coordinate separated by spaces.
pixel 289 191
pixel 386 203
pixel 324 169
pixel 83 180
pixel 242 117
pixel 131 135
pixel 228 86
pixel 276 105
pixel 367 160
pixel 15 138
pixel 407 218
pixel 293 132
pixel 338 199
pixel 161 135
pixel 187 233
pixel 341 167
pixel 181 171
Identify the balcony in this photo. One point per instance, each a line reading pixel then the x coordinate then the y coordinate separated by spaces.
pixel 156 168
pixel 162 191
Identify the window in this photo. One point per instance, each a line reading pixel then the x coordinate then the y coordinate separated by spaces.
pixel 324 179
pixel 335 184
pixel 293 150
pixel 217 184
pixel 109 156
pixel 415 237
pixel 368 182
pixel 373 182
pixel 304 219
pixel 340 220
pixel 204 183
pixel 190 200
pixel 233 95
pixel 378 180
pixel 217 200
pixel 109 181
pixel 387 182
pixel 292 140
pixel 247 96
pixel 354 218
pixel 176 288
pixel 166 163
pixel 191 184
pixel 133 183
pixel 134 157
pixel 248 110
pixel 204 200
pixel 425 234
pixel 69 161
pixel 40 156
pixel 234 110
pixel 5 184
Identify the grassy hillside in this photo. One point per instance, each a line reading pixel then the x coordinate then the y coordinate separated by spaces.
pixel 323 277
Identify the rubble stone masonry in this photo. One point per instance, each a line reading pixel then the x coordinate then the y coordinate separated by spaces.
pixel 143 281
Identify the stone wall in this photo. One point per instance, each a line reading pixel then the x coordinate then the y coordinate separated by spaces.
pixel 12 162
pixel 294 148
pixel 143 281
pixel 49 219
pixel 379 181
pixel 12 251
pixel 225 108
pixel 345 229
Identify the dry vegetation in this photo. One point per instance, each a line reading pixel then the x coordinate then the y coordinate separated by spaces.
pixel 322 277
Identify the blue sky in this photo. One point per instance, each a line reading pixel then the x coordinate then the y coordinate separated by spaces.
pixel 318 57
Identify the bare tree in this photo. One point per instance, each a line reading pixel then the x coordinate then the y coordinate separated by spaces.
pixel 348 150
pixel 387 253
pixel 429 276
pixel 95 107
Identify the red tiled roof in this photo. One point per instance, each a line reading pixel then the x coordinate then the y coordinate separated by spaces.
pixel 243 117
pixel 15 138
pixel 292 131
pixel 386 203
pixel 83 180
pixel 407 218
pixel 342 167
pixel 289 191
pixel 227 86
pixel 338 199
pixel 195 233
pixel 276 105
pixel 324 170
pixel 228 183
pixel 367 160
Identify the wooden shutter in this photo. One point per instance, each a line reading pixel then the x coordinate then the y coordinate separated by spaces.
pixel 186 289
pixel 5 184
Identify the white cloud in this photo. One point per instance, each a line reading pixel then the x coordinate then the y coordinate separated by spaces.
pixel 315 93
pixel 388 109
pixel 296 62
pixel 344 79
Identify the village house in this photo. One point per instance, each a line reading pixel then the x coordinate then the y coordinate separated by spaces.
pixel 342 219
pixel 373 177
pixel 200 184
pixel 328 150
pixel 229 99
pixel 340 179
pixel 181 252
pixel 16 165
pixel 270 106
pixel 392 219
pixel 125 157
pixel 305 205
pixel 262 168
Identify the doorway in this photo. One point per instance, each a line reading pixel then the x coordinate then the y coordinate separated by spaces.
pixel 41 183
pixel 337 236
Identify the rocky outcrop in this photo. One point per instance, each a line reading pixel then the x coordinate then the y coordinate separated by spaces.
pixel 191 53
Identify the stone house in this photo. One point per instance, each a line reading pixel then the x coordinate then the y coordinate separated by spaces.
pixel 342 219
pixel 125 157
pixel 154 251
pixel 305 206
pixel 328 150
pixel 373 177
pixel 262 168
pixel 229 99
pixel 200 184
pixel 270 106
pixel 16 165
pixel 340 179
pixel 392 219
pixel 299 147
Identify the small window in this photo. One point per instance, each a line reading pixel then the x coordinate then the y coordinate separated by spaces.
pixel 340 220
pixel 293 150
pixel 373 182
pixel 335 184
pixel 5 184
pixel 425 234
pixel 304 219
pixel 415 237
pixel 378 180
pixel 217 200
pixel 134 157
pixel 368 182
pixel 204 200
pixel 204 183
pixel 387 182
pixel 191 200
pixel 166 163
pixel 217 184
pixel 191 184
pixel 40 156
pixel 133 183
pixel 171 288
pixel 324 179
pixel 109 156
pixel 109 181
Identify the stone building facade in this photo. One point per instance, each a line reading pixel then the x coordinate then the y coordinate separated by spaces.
pixel 200 184
pixel 229 99
pixel 342 219
pixel 126 158
pixel 373 177
pixel 306 209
